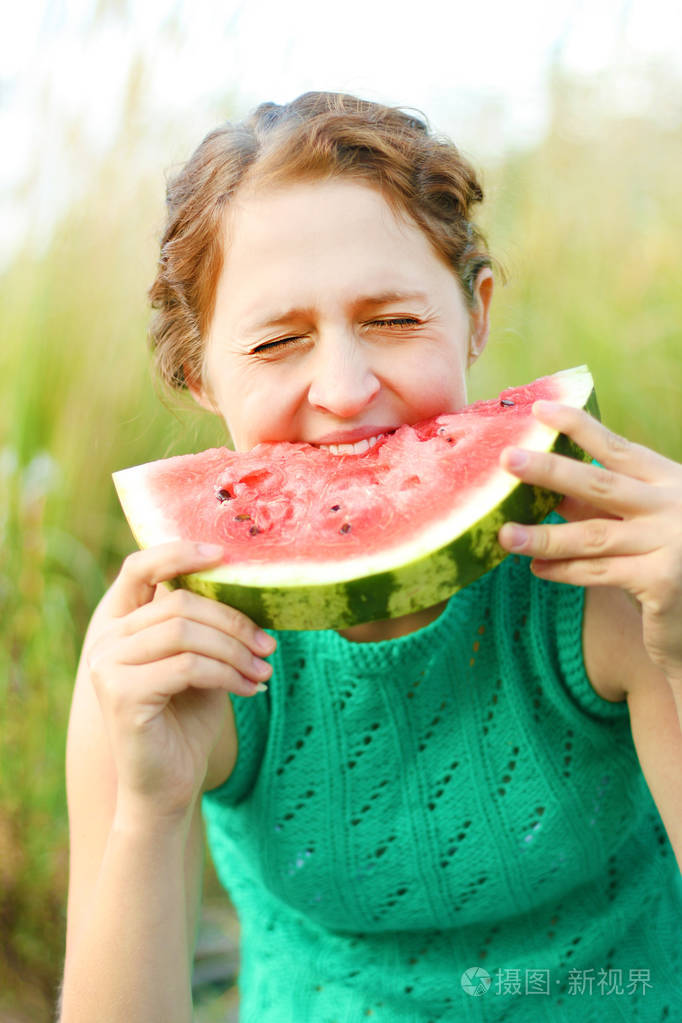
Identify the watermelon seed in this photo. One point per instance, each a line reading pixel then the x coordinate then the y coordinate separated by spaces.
pixel 253 530
pixel 224 495
pixel 335 507
pixel 242 518
pixel 506 401
pixel 345 528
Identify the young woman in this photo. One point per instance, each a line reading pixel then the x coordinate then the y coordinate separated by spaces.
pixel 494 784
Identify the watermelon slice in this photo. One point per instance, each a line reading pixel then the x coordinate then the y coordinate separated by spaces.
pixel 318 540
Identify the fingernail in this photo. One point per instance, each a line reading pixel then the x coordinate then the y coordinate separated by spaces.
pixel 515 458
pixel 546 408
pixel 209 550
pixel 515 537
pixel 260 688
pixel 264 642
pixel 260 667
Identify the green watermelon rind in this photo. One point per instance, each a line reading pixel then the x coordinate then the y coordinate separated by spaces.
pixel 405 588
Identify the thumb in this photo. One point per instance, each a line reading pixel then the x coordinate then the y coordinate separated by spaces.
pixel 142 571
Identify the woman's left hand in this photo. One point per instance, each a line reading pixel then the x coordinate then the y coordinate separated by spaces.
pixel 624 524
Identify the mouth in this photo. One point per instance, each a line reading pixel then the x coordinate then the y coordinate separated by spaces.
pixel 357 448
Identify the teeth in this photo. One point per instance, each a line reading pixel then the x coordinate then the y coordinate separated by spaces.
pixel 352 449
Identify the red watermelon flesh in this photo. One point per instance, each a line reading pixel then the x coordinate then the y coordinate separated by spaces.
pixel 302 502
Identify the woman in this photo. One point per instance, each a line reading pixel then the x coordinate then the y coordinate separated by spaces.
pixel 414 799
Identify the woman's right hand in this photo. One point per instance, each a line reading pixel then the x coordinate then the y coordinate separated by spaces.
pixel 161 663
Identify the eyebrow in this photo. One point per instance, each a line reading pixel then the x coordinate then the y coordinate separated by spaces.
pixel 279 318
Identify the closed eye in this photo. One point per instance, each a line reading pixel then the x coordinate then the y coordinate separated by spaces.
pixel 395 321
pixel 273 346
pixel 392 322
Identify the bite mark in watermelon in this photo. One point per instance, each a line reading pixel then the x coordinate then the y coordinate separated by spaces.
pixel 315 540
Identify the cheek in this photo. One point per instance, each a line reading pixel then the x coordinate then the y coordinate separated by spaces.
pixel 437 384
pixel 261 410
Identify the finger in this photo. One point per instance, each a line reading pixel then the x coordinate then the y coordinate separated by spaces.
pixel 196 608
pixel 573 510
pixel 589 538
pixel 591 484
pixel 652 579
pixel 188 670
pixel 613 451
pixel 625 573
pixel 142 571
pixel 165 640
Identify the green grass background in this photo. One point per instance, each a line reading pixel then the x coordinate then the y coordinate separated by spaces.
pixel 587 225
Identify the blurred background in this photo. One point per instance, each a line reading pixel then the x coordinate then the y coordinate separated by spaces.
pixel 572 113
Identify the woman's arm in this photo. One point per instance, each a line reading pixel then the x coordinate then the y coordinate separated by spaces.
pixel 133 885
pixel 151 726
pixel 133 893
pixel 619 667
pixel 623 541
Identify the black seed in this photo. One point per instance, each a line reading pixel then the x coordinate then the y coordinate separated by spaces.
pixel 253 530
pixel 224 495
pixel 506 401
pixel 335 507
pixel 345 528
pixel 242 518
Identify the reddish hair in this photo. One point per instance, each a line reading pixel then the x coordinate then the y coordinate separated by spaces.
pixel 317 136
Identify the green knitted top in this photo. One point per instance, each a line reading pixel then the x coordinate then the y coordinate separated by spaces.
pixel 450 825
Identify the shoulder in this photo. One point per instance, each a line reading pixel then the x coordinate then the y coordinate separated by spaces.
pixel 559 633
pixel 620 669
pixel 223 758
pixel 613 647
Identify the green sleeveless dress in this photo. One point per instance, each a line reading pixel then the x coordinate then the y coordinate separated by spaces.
pixel 450 825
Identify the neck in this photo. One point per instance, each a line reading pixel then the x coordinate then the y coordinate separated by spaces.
pixel 391 628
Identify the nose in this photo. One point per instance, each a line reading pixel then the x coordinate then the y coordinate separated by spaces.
pixel 343 382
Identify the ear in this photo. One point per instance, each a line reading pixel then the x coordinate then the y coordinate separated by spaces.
pixel 480 314
pixel 198 391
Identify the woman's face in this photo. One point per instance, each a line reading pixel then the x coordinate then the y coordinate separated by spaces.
pixel 335 320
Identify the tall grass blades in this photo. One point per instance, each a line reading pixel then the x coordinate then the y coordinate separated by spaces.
pixel 588 227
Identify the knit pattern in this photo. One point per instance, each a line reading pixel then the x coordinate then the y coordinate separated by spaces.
pixel 459 798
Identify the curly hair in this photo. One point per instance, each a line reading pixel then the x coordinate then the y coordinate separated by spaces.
pixel 317 136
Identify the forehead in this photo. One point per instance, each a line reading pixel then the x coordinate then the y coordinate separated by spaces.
pixel 322 237
pixel 259 213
